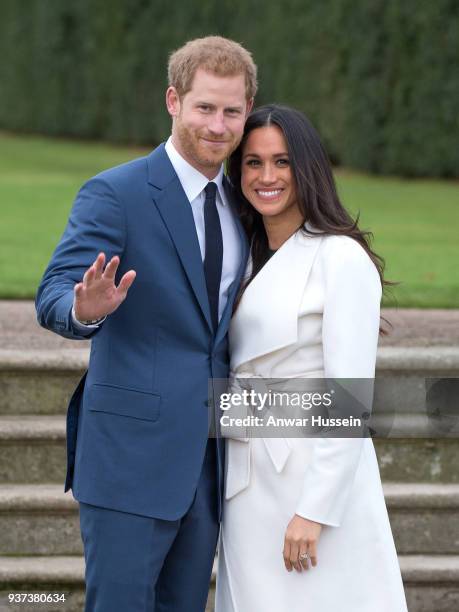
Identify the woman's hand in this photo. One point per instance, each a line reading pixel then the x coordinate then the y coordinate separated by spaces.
pixel 301 537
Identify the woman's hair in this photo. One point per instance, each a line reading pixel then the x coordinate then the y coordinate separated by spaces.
pixel 214 54
pixel 315 186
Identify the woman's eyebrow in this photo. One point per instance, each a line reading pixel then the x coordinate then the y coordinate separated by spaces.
pixel 257 155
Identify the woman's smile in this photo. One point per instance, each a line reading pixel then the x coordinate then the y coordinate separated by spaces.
pixel 268 194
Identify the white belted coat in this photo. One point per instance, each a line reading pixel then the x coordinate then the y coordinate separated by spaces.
pixel 312 311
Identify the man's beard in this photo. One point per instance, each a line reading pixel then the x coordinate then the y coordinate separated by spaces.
pixel 194 149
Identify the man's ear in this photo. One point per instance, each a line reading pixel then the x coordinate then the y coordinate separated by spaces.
pixel 249 107
pixel 172 102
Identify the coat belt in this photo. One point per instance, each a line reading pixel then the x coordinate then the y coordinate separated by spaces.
pixel 238 448
pixel 238 461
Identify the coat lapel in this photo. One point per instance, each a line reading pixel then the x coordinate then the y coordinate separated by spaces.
pixel 266 319
pixel 175 210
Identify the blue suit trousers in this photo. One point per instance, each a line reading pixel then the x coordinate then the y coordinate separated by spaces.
pixel 140 564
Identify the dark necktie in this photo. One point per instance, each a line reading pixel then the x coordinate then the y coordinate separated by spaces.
pixel 214 251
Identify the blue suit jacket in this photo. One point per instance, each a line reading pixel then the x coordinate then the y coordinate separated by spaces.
pixel 137 424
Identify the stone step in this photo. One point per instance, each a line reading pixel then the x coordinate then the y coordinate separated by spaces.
pixel 42 381
pixel 59 576
pixel 424 517
pixel 38 520
pixel 403 376
pixel 418 459
pixel 50 575
pixel 32 450
pixel 414 425
pixel 421 361
pixel 43 520
pixel 431 582
pixel 39 381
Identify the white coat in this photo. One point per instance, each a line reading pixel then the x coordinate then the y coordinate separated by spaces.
pixel 312 311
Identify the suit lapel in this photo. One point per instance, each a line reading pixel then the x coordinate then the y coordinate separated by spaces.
pixel 266 319
pixel 175 210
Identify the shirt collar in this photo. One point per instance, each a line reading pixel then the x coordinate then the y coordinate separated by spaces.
pixel 193 182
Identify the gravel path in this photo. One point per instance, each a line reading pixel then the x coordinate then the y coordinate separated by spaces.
pixel 411 327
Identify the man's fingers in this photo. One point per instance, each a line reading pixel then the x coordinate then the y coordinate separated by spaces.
pixel 88 276
pixel 78 293
pixel 111 268
pixel 126 281
pixel 98 265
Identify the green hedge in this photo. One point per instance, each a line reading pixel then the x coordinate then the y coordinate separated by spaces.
pixel 379 78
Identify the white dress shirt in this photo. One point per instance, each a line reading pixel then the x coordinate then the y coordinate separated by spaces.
pixel 194 183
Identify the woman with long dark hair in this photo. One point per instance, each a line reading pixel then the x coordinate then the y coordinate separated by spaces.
pixel 305 526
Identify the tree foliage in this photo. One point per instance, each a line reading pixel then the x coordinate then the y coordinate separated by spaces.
pixel 379 78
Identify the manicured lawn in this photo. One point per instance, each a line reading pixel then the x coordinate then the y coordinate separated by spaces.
pixel 415 222
pixel 39 179
pixel 416 229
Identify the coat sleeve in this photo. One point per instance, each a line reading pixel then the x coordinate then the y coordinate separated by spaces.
pixel 96 224
pixel 350 331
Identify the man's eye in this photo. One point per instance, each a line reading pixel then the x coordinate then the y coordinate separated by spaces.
pixel 233 111
pixel 204 107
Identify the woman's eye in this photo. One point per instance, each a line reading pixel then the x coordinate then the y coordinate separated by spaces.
pixel 283 162
pixel 253 162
